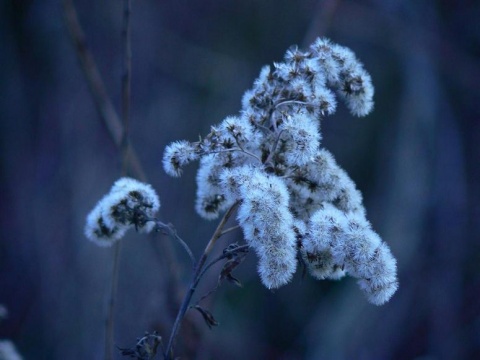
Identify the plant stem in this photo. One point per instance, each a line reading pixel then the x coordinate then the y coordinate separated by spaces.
pixel 172 232
pixel 230 229
pixel 96 85
pixel 195 280
pixel 111 303
pixel 126 82
pixel 124 145
pixel 221 257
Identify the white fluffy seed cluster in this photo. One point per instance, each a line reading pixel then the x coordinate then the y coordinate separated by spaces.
pixel 264 202
pixel 339 243
pixel 295 200
pixel 130 203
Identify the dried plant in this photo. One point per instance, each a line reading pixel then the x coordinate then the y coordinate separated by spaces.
pixel 267 165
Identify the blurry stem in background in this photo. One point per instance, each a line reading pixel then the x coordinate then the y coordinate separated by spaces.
pixel 97 88
pixel 198 273
pixel 109 322
pixel 124 145
pixel 126 83
pixel 115 129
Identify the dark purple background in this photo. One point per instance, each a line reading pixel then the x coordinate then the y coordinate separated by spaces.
pixel 416 159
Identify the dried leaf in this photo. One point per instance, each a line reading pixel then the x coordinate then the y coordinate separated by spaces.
pixel 229 266
pixel 233 280
pixel 145 349
pixel 234 249
pixel 207 316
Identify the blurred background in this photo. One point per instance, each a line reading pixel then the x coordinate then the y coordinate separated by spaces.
pixel 416 159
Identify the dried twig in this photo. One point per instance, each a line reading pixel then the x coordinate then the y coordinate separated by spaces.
pixel 195 280
pixel 116 130
pixel 170 230
pixel 110 319
pixel 126 82
pixel 97 88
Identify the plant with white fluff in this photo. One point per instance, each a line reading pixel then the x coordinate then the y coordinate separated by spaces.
pixel 266 221
pixel 269 160
pixel 292 200
pixel 130 203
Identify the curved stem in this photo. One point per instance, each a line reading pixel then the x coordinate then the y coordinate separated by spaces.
pixel 195 280
pixel 289 102
pixel 245 151
pixel 172 232
pixel 223 256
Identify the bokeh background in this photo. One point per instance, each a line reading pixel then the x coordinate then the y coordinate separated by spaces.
pixel 416 159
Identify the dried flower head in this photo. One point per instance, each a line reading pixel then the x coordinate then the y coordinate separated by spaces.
pixel 130 203
pixel 293 196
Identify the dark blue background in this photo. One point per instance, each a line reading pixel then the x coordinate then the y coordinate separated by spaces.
pixel 416 159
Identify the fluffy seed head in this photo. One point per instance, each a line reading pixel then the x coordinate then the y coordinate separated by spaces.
pixel 177 155
pixel 130 203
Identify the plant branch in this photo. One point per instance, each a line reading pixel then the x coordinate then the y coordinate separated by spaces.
pixel 289 102
pixel 114 126
pixel 245 151
pixel 172 232
pixel 274 148
pixel 110 117
pixel 198 273
pixel 230 229
pixel 109 323
pixel 240 149
pixel 126 81
pixel 124 145
pixel 223 256
pixel 97 88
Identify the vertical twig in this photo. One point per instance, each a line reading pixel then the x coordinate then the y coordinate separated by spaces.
pixel 195 280
pixel 126 82
pixel 114 126
pixel 97 88
pixel 109 324
pixel 124 145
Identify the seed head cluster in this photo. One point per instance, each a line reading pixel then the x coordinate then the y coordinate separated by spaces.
pixel 295 201
pixel 130 203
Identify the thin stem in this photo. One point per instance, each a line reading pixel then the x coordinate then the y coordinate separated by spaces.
pixel 232 150
pixel 126 81
pixel 264 128
pixel 230 229
pixel 96 85
pixel 124 145
pixel 223 256
pixel 206 295
pixel 274 148
pixel 172 232
pixel 113 124
pixel 245 151
pixel 289 102
pixel 195 280
pixel 109 323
